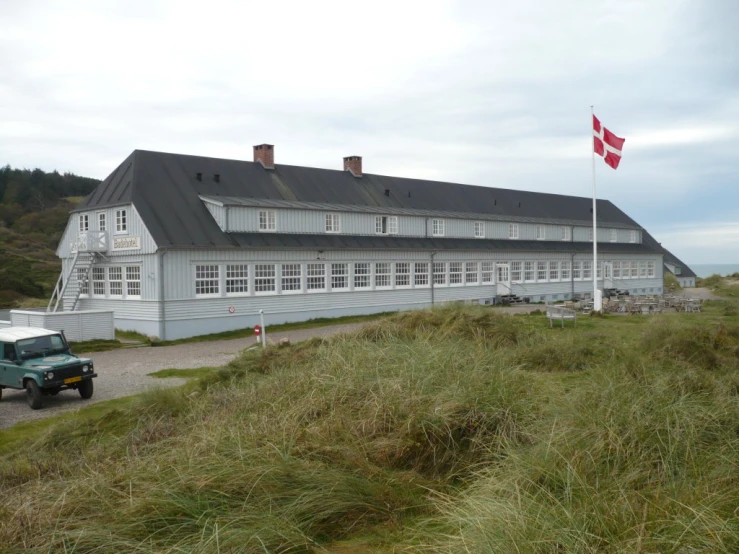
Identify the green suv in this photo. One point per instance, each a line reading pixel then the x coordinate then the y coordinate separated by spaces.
pixel 39 361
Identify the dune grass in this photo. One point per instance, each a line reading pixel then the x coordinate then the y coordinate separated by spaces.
pixel 453 430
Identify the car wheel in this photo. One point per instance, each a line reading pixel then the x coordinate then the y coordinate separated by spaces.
pixel 33 395
pixel 85 389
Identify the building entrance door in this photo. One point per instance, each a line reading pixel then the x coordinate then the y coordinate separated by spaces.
pixel 503 279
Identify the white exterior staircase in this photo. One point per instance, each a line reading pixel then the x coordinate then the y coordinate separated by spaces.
pixel 77 279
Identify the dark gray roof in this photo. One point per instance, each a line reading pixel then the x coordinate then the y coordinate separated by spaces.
pixel 668 257
pixel 386 242
pixel 164 189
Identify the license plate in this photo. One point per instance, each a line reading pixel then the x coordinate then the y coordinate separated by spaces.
pixel 72 380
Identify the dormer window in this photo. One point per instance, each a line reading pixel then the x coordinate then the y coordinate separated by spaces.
pixel 540 232
pixel 632 236
pixel 479 230
pixel 614 235
pixel 267 220
pixel 565 233
pixel 386 225
pixel 513 230
pixel 332 223
pixel 437 227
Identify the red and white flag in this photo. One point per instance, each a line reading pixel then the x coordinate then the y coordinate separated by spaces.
pixel 607 144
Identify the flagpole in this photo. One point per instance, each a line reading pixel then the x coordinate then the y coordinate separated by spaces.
pixel 597 302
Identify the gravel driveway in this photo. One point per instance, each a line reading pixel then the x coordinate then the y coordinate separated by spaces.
pixel 126 371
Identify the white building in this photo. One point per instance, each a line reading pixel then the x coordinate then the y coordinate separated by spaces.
pixel 183 245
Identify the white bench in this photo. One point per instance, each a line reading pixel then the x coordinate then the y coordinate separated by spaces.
pixel 560 313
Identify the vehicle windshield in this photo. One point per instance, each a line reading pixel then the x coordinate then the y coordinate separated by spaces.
pixel 41 346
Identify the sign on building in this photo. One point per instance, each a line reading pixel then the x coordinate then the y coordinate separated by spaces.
pixel 126 243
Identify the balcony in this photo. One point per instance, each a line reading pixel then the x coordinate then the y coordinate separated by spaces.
pixel 91 241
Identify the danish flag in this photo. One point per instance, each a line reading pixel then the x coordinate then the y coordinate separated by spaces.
pixel 607 144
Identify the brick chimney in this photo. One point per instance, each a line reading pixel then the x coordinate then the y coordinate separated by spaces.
pixel 353 164
pixel 265 155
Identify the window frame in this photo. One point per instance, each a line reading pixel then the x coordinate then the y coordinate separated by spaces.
pixel 267 221
pixel 291 278
pixel 97 281
pixel 231 279
pixel 332 223
pixel 516 271
pixel 632 237
pixel 565 233
pixel 262 278
pixel 84 223
pixel 553 270
pixel 340 276
pixel 121 221
pixel 442 280
pixel 437 227
pixel 102 221
pixel 131 281
pixel 513 231
pixel 421 273
pixel 386 275
pixel 206 276
pixel 614 235
pixel 471 268
pixel 364 277
pixel 386 224
pixel 529 271
pixel 484 272
pixel 119 271
pixel 565 271
pixel 541 232
pixel 542 270
pixel 313 277
pixel 456 274
pixel 479 229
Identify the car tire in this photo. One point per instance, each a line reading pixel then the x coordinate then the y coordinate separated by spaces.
pixel 33 395
pixel 85 389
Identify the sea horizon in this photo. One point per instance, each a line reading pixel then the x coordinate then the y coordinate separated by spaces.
pixel 706 270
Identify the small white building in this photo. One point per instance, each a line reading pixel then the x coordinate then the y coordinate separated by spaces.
pixel 181 245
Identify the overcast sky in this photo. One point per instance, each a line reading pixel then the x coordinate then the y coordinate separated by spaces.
pixel 493 93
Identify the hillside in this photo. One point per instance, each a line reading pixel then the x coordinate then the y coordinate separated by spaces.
pixel 459 430
pixel 34 209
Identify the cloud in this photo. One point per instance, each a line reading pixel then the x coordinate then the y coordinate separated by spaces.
pixel 489 93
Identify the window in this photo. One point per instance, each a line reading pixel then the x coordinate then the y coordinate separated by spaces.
pixel 402 274
pixel 528 271
pixel 564 271
pixel 291 278
pixel 121 221
pixel 267 220
pixel 565 233
pixel 84 222
pixel 590 234
pixel 82 280
pixel 421 274
pixel 513 230
pixel 264 278
pixel 634 270
pixel 642 269
pixel 632 236
pixel 487 272
pixel 361 275
pixel 614 235
pixel 206 279
pixel 386 225
pixel 383 277
pixel 650 269
pixel 437 227
pixel 133 280
pixel 587 271
pixel 516 272
pixel 599 271
pixel 577 270
pixel 332 223
pixel 616 270
pixel 439 273
pixel 470 273
pixel 339 276
pixel 102 222
pixel 115 277
pixel 237 279
pixel 540 233
pixel 541 271
pixel 479 230
pixel 554 271
pixel 455 273
pixel 316 277
pixel 98 281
